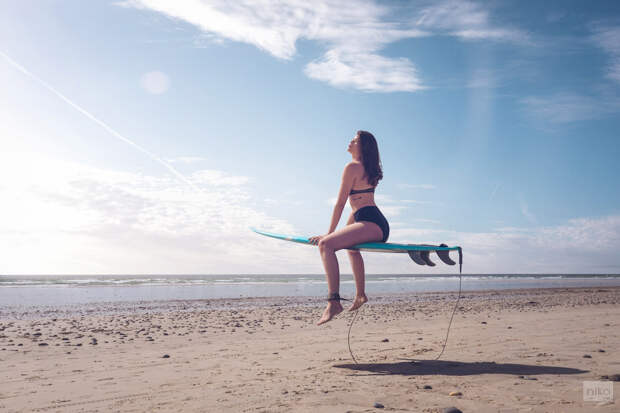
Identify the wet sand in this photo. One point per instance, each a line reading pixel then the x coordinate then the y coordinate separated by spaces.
pixel 508 351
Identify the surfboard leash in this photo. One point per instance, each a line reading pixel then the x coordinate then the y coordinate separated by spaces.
pixel 456 305
pixel 349 335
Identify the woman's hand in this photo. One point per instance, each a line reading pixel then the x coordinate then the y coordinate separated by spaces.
pixel 315 240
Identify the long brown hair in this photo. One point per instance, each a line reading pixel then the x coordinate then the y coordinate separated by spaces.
pixel 370 157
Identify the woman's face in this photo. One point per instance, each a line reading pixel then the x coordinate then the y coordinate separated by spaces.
pixel 354 146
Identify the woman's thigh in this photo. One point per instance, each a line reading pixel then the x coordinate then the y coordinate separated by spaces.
pixel 352 234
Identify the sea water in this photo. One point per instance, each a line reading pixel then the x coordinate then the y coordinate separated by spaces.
pixel 50 290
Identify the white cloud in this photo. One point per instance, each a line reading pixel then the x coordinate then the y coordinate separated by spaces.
pixel 608 39
pixel 65 217
pixel 353 33
pixel 155 82
pixel 582 245
pixel 365 71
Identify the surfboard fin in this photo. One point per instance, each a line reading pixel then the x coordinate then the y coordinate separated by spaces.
pixel 426 258
pixel 445 256
pixel 415 256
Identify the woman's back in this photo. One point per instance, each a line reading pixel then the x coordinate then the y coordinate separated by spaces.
pixel 357 199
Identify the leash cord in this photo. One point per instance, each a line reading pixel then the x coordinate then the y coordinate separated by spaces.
pixel 349 335
pixel 445 342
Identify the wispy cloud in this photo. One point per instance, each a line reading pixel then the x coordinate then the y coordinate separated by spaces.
pixel 187 159
pixel 568 107
pixel 416 186
pixel 416 202
pixel 495 189
pixel 353 33
pixel 467 20
pixel 525 211
pixel 427 221
pixel 608 39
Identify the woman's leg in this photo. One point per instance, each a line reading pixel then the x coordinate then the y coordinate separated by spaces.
pixel 357 265
pixel 350 235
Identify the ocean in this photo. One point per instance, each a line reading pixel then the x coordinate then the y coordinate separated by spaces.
pixel 51 290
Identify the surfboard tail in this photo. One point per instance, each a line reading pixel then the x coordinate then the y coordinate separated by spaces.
pixel 423 258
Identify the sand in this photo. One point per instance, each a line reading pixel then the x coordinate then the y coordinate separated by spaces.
pixel 508 351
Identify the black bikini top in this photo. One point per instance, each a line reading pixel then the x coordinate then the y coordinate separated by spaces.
pixel 361 191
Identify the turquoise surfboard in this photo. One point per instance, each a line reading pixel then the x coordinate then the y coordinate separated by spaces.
pixel 419 253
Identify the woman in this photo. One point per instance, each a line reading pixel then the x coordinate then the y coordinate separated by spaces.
pixel 366 223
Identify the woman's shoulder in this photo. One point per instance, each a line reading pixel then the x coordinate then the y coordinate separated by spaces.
pixel 354 166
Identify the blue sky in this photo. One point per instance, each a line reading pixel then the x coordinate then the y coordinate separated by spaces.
pixel 184 123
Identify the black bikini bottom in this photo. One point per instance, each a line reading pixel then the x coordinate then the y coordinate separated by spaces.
pixel 372 214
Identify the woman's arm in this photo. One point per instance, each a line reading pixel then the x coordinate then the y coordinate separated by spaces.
pixel 345 187
pixel 343 194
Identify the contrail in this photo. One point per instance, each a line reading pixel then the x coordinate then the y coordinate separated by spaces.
pixel 99 122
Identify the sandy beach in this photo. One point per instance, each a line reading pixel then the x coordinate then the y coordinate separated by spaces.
pixel 508 351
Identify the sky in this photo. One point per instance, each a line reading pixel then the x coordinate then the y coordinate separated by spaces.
pixel 148 136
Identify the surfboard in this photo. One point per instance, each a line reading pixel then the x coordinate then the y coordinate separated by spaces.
pixel 419 253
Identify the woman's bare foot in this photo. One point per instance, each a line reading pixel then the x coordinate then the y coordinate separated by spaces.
pixel 333 309
pixel 358 302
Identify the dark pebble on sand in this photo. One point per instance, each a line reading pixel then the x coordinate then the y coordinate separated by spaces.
pixel 587 356
pixel 613 377
pixel 385 340
pixel 484 322
pixel 378 406
pixel 43 344
pixel 427 387
pixel 600 350
pixel 527 378
pixel 451 410
pixel 166 356
pixel 509 327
